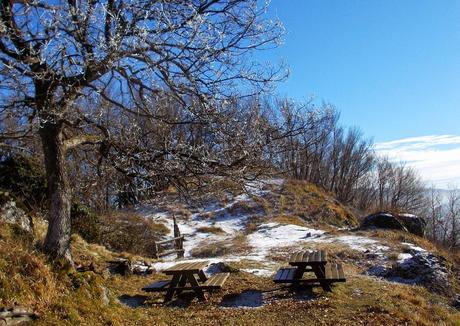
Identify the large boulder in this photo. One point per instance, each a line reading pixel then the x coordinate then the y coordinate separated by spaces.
pixel 11 214
pixel 422 268
pixel 414 224
pixel 417 266
pixel 405 222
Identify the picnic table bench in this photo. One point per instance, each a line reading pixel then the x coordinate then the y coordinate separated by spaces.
pixel 310 261
pixel 188 276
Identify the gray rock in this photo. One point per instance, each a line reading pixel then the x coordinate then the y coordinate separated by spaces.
pixel 105 295
pixel 17 315
pixel 423 268
pixel 456 301
pixel 378 270
pixel 405 222
pixel 221 268
pixel 11 214
pixel 413 224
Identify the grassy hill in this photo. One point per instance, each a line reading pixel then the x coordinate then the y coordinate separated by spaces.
pixel 64 296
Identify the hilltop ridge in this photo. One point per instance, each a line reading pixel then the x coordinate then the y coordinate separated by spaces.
pixel 253 236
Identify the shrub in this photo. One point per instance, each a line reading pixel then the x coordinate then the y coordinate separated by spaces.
pixel 211 229
pixel 24 179
pixel 85 222
pixel 130 232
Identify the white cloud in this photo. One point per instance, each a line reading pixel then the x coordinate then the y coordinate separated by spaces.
pixel 436 157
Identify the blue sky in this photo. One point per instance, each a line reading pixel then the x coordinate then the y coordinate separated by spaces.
pixel 391 67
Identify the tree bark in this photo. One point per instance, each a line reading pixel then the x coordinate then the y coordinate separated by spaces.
pixel 57 242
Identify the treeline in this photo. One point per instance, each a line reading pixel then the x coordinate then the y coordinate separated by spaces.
pixel 239 139
pixel 342 161
pixel 443 217
pixel 244 139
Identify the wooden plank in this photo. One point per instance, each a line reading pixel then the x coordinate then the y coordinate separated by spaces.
pixel 278 275
pixel 285 275
pixel 169 240
pixel 299 256
pixel 340 269
pixel 216 281
pixel 188 266
pixel 291 274
pixel 335 272
pixel 165 253
pixel 308 257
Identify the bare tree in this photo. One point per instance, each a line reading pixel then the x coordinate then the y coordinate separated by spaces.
pixel 399 188
pixel 434 215
pixel 452 220
pixel 58 56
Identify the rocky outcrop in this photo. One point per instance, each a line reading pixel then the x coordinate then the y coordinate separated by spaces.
pixel 419 268
pixel 405 222
pixel 127 267
pixel 221 268
pixel 413 224
pixel 16 316
pixel 456 301
pixel 11 214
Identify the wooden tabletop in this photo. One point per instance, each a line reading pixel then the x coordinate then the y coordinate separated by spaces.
pixel 192 267
pixel 307 257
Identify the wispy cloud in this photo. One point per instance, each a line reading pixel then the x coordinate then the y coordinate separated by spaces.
pixel 437 157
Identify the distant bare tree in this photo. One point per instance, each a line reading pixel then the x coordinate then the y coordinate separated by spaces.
pixel 399 187
pixel 452 220
pixel 434 212
pixel 443 217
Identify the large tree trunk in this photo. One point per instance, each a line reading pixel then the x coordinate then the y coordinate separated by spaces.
pixel 57 242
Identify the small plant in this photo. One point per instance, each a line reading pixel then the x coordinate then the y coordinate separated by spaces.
pixel 211 229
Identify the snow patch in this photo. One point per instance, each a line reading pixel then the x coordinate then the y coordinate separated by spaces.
pixel 275 235
pixel 259 271
pixel 402 257
pixel 413 247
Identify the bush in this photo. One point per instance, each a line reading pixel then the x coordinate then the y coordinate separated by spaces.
pixel 24 180
pixel 85 222
pixel 126 231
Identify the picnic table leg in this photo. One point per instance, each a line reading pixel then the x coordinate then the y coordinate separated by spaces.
pixel 172 288
pixel 182 283
pixel 321 274
pixel 299 272
pixel 202 276
pixel 196 287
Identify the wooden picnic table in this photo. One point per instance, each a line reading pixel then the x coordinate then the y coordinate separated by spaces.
pixel 188 276
pixel 308 261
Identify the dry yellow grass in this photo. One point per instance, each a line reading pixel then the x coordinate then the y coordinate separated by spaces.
pixel 307 202
pixel 66 297
pixel 288 219
pixel 237 245
pixel 210 229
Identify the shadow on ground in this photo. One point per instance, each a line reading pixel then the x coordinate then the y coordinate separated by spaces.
pixel 245 299
pixel 256 298
pixel 133 301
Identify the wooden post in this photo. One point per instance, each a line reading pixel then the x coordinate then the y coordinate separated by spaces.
pixel 156 250
pixel 178 243
pixel 176 228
